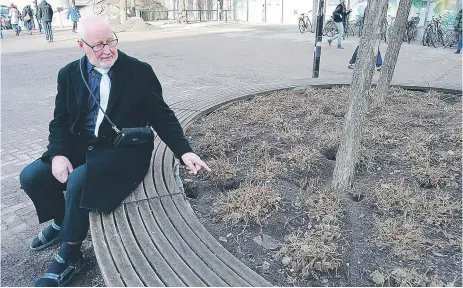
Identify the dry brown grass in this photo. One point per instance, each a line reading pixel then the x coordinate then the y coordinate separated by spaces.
pixel 404 237
pixel 313 250
pixel 248 204
pixel 222 170
pixel 301 158
pixel 217 146
pixel 403 277
pixel 316 249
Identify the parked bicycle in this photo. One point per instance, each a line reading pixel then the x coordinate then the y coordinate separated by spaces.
pixel 355 27
pixel 451 38
pixel 330 28
pixel 304 23
pixel 433 34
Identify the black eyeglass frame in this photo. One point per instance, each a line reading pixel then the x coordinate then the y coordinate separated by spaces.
pixel 107 44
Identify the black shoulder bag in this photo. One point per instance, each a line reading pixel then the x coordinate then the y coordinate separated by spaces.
pixel 126 136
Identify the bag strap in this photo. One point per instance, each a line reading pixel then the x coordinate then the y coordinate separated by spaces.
pixel 113 126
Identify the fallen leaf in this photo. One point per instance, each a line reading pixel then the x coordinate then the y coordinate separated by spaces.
pixel 377 277
pixel 223 239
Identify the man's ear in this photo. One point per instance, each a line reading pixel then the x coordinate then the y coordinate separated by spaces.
pixel 81 44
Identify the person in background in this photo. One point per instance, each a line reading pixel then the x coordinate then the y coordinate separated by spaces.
pixel 339 18
pixel 27 16
pixel 75 15
pixel 458 30
pixel 14 14
pixel 379 60
pixel 45 13
pixel 36 10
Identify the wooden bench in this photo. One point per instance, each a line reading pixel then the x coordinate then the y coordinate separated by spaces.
pixel 154 237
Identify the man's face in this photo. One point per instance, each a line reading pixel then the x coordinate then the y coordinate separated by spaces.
pixel 97 35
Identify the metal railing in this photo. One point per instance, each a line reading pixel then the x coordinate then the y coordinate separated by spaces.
pixel 190 16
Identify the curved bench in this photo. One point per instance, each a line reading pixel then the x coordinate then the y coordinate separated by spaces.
pixel 155 239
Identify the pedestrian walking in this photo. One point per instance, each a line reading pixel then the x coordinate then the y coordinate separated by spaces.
pixel 45 13
pixel 75 15
pixel 14 14
pixel 27 17
pixel 339 17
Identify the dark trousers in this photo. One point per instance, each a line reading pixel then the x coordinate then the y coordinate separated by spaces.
pixel 74 26
pixel 40 24
pixel 47 195
pixel 48 31
pixel 379 59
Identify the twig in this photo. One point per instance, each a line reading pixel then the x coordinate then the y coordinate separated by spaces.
pixel 287 222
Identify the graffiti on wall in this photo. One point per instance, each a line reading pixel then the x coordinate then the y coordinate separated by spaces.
pixel 447 9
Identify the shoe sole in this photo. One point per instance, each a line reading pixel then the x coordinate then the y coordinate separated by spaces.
pixel 44 245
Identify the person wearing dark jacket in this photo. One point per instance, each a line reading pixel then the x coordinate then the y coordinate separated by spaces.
pixel 81 157
pixel 28 18
pixel 339 17
pixel 458 30
pixel 45 12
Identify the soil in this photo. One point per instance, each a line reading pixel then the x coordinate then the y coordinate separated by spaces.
pixel 273 158
pixel 27 269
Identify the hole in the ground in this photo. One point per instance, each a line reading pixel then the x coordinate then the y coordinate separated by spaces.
pixel 191 190
pixel 231 185
pixel 427 185
pixel 357 197
pixel 330 153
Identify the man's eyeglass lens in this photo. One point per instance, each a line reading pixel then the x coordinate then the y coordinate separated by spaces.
pixel 110 44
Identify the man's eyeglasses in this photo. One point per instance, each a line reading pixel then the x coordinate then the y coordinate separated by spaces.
pixel 99 47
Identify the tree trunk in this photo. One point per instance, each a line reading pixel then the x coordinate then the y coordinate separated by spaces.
pixel 132 8
pixel 349 147
pixel 123 10
pixel 392 53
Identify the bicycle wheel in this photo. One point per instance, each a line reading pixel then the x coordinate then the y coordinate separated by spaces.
pixel 309 26
pixel 431 38
pixel 440 37
pixel 301 26
pixel 331 30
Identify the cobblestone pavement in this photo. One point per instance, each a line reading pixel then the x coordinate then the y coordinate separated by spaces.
pixel 190 63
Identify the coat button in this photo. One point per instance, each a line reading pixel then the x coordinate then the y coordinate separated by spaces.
pixel 90 148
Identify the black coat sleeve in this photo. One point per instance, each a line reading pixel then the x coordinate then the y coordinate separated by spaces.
pixel 163 119
pixel 60 137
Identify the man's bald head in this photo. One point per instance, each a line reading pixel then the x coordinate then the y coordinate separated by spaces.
pixel 98 41
pixel 90 23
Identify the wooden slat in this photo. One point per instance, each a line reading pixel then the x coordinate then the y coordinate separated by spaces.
pixel 107 266
pixel 200 231
pixel 140 263
pixel 154 245
pixel 202 251
pixel 178 243
pixel 120 257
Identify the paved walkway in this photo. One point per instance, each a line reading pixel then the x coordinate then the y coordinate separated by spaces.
pixel 191 64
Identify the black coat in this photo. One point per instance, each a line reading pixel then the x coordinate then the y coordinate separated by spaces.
pixel 339 14
pixel 135 100
pixel 45 12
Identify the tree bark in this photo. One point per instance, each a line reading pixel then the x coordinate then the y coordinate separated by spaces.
pixel 349 147
pixel 123 10
pixel 392 52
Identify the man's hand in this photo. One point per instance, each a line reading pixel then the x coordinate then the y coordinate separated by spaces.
pixel 61 168
pixel 194 163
